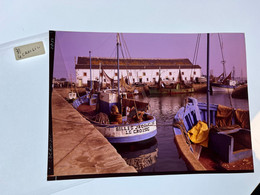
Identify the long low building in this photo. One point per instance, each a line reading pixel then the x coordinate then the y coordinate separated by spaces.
pixel 135 70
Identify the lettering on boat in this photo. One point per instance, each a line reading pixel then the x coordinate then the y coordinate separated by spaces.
pixel 135 129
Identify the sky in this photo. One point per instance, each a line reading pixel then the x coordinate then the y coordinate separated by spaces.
pixel 69 45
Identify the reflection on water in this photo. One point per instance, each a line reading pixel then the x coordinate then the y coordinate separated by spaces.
pixel 139 155
pixel 160 154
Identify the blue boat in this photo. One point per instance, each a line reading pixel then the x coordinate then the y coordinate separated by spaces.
pixel 222 143
pixel 225 144
pixel 126 131
pixel 119 119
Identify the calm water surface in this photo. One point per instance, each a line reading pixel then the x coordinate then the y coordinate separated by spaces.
pixel 160 153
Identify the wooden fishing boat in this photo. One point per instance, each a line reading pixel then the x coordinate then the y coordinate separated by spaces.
pixel 229 147
pixel 170 90
pixel 223 144
pixel 119 119
pixel 179 87
pixel 133 125
pixel 223 85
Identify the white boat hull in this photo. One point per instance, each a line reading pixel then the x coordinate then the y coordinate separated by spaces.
pixel 126 133
pixel 222 89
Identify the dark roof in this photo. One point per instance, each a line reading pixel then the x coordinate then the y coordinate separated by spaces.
pixel 111 63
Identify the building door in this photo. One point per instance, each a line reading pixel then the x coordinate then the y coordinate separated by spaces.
pixel 80 82
pixel 140 80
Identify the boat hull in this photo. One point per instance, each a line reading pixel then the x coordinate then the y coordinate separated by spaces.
pixel 222 88
pixel 119 133
pixel 128 133
pixel 169 91
pixel 230 145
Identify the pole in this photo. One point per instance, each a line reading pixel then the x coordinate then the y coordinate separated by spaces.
pixel 208 83
pixel 118 76
pixel 90 71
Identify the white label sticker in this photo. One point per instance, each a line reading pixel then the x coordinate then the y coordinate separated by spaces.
pixel 30 50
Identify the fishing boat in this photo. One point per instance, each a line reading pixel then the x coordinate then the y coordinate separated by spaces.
pixel 229 147
pixel 221 144
pixel 179 87
pixel 118 118
pixel 223 83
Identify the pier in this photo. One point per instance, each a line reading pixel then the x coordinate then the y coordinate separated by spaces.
pixel 78 147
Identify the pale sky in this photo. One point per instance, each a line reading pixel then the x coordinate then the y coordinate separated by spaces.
pixel 147 45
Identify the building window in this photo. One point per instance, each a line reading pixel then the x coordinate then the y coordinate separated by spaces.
pixel 144 74
pixel 182 73
pixel 173 78
pixel 147 79
pixel 101 74
pixel 115 73
pixel 194 73
pixel 167 78
pixel 170 73
pixel 185 78
pixel 130 74
pixel 105 80
pixel 133 80
pixel 157 73
pixel 84 74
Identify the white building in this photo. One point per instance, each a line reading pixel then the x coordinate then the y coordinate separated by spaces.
pixel 137 70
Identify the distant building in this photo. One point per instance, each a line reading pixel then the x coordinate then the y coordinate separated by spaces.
pixel 136 70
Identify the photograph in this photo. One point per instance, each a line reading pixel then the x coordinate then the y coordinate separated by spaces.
pixel 136 104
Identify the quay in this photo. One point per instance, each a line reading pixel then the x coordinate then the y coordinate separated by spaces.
pixel 78 147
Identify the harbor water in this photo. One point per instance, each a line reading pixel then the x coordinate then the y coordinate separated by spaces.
pixel 160 153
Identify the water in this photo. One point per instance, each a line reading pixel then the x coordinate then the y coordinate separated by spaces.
pixel 160 153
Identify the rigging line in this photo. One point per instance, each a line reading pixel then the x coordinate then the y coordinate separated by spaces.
pixel 127 71
pixel 127 54
pixel 127 50
pixel 197 49
pixel 66 68
pixel 125 58
pixel 105 40
pixel 113 52
pixel 222 54
pixel 194 61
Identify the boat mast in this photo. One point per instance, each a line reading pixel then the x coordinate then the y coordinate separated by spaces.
pixel 222 54
pixel 118 76
pixel 90 71
pixel 99 84
pixel 234 70
pixel 159 77
pixel 208 84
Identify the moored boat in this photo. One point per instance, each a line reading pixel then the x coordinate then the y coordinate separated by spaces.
pixel 178 87
pixel 222 144
pixel 133 125
pixel 225 85
pixel 118 118
pixel 229 143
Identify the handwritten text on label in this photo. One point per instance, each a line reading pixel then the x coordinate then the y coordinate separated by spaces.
pixel 30 50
